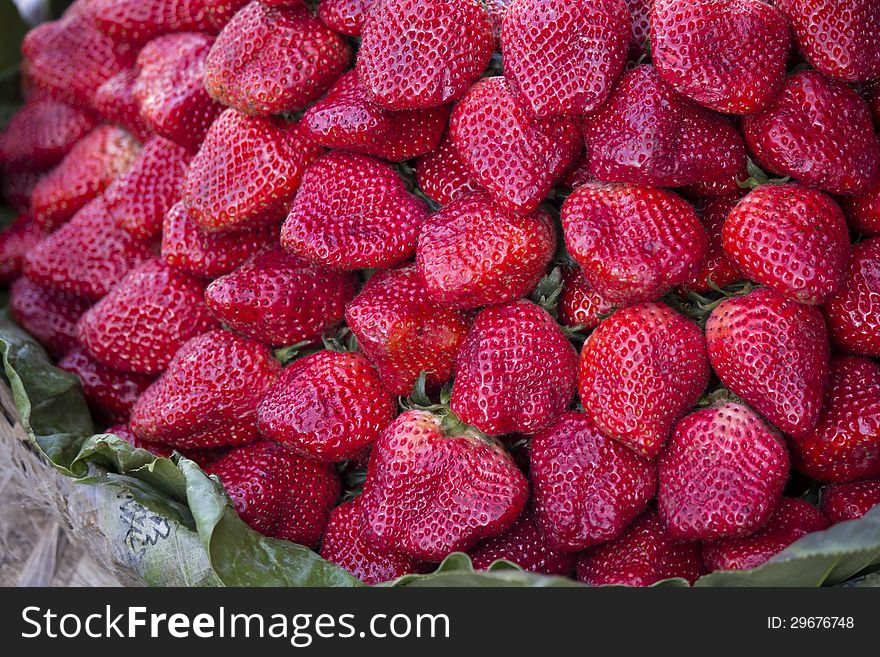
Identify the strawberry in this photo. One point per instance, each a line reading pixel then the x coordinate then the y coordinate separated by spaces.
pixel 497 11
pixel 90 166
pixel 792 239
pixel 346 118
pixel 640 370
pixel 721 475
pixel 353 212
pixel 643 555
pixel 515 157
pixel 279 493
pixel 863 212
pixel 773 353
pixel 41 133
pixel 579 304
pixel 587 487
pixel 853 314
pixel 139 21
pixel 846 442
pixel 416 54
pixel 18 185
pixel 819 131
pixel 728 185
pixel 640 14
pixel 280 299
pixel 269 60
pixel 474 253
pixel 47 314
pixel 515 372
pixel 208 396
pixel 404 332
pixel 17 240
pixel 246 171
pixel 443 176
pixel 115 102
pixel 792 520
pixel 435 487
pixel 648 134
pixel 563 56
pixel 344 16
pixel 842 502
pixel 87 256
pixel 139 198
pixel 872 96
pixel 634 243
pixel 717 270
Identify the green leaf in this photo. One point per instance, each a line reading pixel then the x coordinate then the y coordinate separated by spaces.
pixel 457 570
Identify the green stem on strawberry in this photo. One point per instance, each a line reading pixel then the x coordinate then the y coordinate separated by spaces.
pixel 758 177
pixel 449 421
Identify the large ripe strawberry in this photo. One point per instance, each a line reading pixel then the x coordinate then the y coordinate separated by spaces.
pixel 434 487
pixel 17 240
pixel 634 243
pixel 280 299
pixel 347 119
pixel 475 253
pixel 515 157
pixel 790 238
pixel 208 396
pixel 48 315
pixel 443 176
pixel 353 212
pixel 423 53
pixel 773 353
pixel 579 304
pixel 344 16
pixel 819 131
pixel 404 332
pixel 279 493
pixel 640 370
pixel 863 212
pixel 587 487
pixel 717 270
pixel 721 475
pixel 842 502
pixel 247 171
pixel 846 442
pixel 115 102
pixel 853 314
pixel 41 133
pixel 138 21
pixel 516 370
pixel 792 520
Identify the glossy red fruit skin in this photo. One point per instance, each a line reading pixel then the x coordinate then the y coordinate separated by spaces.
pixel 344 16
pixel 514 157
pixel 773 353
pixel 649 134
pixel 515 371
pixel 792 520
pixel 634 243
pixel 818 131
pixel 429 493
pixel 717 270
pixel 562 57
pixel 853 314
pixel 792 239
pixel 48 315
pixel 41 133
pixel 138 21
pixel 86 256
pixel 353 212
pixel 17 240
pixel 579 304
pixel 347 119
pixel 246 171
pixel 842 502
pixel 846 442
pixel 586 487
pixel 404 332
pixel 474 253
pixel 280 299
pixel 443 176
pixel 641 370
pixel 643 555
pixel 279 493
pixel 115 102
pixel 838 37
pixel 640 13
pixel 416 54
pixel 209 394
pixel 721 475
pixel 863 212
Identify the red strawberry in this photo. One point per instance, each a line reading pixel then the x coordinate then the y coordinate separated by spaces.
pixel 139 199
pixel 793 520
pixel 819 131
pixel 853 314
pixel 640 12
pixel 138 21
pixel 209 394
pixel 516 158
pixel 717 270
pixel 872 95
pixel 772 352
pixel 17 240
pixel 790 238
pixel 863 212
pixel 345 16
pixel 634 243
pixel 515 372
pixel 404 332
pixel 587 487
pixel 48 315
pixel 423 53
pixel 842 502
pixel 497 11
pixel 846 442
pixel 721 474
pixel 114 100
pixel 579 303
pixel 280 299
pixel 279 493
pixel 474 253
pixel 41 133
pixel 641 556
pixel 353 212
pixel 347 119
pixel 443 176
pixel 18 184
pixel 247 171
pixel 727 185
pixel 433 488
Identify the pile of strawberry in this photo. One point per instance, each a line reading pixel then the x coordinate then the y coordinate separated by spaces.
pixel 504 277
